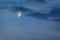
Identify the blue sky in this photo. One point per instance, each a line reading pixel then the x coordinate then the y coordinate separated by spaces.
pixel 40 20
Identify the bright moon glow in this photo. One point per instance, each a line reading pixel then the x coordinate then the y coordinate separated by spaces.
pixel 19 14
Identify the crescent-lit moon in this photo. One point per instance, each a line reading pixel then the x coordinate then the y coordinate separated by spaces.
pixel 19 14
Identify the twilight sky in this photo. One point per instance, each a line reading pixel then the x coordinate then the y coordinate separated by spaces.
pixel 40 20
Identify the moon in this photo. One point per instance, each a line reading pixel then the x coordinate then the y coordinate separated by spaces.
pixel 19 14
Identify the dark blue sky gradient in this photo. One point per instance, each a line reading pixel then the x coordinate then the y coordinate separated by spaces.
pixel 40 20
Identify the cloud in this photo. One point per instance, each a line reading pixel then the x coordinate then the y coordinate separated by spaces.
pixel 21 8
pixel 36 5
pixel 55 14
pixel 37 1
pixel 39 15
